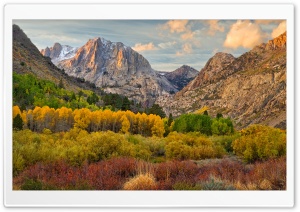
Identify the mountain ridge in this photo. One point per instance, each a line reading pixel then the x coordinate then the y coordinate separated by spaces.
pixel 250 89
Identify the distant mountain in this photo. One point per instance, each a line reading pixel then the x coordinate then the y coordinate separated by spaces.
pixel 181 76
pixel 250 89
pixel 117 69
pixel 59 52
pixel 28 59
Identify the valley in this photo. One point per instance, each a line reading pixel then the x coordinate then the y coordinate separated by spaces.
pixel 99 117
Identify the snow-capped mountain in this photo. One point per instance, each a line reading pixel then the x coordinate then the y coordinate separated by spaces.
pixel 117 68
pixel 59 52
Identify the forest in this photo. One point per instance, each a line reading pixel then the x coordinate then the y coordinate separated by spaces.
pixel 105 149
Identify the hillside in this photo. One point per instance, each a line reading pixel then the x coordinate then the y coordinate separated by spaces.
pixel 249 89
pixel 27 59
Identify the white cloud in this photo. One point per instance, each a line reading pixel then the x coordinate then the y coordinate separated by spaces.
pixel 144 47
pixel 281 28
pixel 266 22
pixel 186 49
pixel 167 44
pixel 214 27
pixel 244 34
pixel 188 35
pixel 176 26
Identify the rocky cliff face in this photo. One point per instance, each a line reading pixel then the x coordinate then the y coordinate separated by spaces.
pixel 118 69
pixel 59 52
pixel 181 76
pixel 250 89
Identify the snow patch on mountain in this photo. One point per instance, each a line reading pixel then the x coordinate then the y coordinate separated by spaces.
pixel 59 52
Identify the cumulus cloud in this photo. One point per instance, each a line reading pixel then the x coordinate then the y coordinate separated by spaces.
pixel 266 22
pixel 214 27
pixel 281 28
pixel 244 34
pixel 176 25
pixel 186 49
pixel 167 45
pixel 188 35
pixel 144 47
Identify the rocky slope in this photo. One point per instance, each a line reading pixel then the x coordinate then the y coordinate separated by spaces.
pixel 117 69
pixel 181 76
pixel 59 52
pixel 250 89
pixel 27 59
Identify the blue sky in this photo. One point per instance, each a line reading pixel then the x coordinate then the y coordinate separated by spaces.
pixel 166 44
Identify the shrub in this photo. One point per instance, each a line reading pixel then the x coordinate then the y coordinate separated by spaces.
pixel 193 123
pixel 193 146
pixel 186 186
pixel 225 141
pixel 216 184
pixel 259 142
pixel 141 182
pixel 31 184
pixel 222 126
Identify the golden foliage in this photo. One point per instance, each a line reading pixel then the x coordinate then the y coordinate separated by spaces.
pixel 141 182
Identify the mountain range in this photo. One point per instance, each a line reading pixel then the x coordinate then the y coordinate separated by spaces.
pixel 250 89
pixel 116 68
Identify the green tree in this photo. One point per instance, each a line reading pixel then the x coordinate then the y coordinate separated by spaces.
pixel 170 119
pixel 18 122
pixel 61 83
pixel 222 126
pixel 80 94
pixel 156 110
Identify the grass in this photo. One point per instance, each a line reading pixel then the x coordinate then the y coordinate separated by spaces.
pixel 141 182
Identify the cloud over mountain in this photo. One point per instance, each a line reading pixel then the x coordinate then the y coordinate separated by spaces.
pixel 244 34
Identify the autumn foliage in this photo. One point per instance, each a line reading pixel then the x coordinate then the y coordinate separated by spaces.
pixel 124 173
pixel 63 119
pixel 83 149
pixel 259 142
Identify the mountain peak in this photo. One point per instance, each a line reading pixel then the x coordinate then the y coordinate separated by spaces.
pixel 59 52
pixel 211 71
pixel 277 43
pixel 117 69
pixel 181 76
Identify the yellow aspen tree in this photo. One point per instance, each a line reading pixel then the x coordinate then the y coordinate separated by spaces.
pixel 131 118
pixel 158 127
pixel 105 123
pixel 47 118
pixel 63 119
pixel 95 120
pixel 82 118
pixel 24 118
pixel 125 124
pixel 16 111
pixel 37 119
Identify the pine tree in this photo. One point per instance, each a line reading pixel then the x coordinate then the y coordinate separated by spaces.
pixel 18 122
pixel 170 119
pixel 61 83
